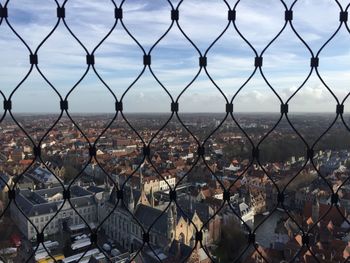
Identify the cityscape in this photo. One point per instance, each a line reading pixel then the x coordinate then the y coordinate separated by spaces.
pixel 192 131
pixel 126 195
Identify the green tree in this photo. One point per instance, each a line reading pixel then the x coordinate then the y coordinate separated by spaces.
pixel 232 242
pixel 70 172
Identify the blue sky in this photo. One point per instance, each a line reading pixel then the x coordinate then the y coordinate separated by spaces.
pixel 174 60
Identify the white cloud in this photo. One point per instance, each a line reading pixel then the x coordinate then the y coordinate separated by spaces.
pixel 175 62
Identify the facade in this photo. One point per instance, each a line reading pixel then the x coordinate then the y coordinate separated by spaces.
pixel 168 180
pixel 261 192
pixel 136 214
pixel 155 184
pixel 41 206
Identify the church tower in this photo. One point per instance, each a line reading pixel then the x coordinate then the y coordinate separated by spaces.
pixel 174 213
pixel 141 177
pixel 315 209
pixel 152 197
pixel 131 201
pixel 171 226
pixel 106 191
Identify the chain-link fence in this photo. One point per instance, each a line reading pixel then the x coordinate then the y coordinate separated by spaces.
pixel 121 191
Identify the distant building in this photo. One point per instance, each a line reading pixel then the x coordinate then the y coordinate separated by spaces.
pixel 155 184
pixel 5 182
pixel 326 228
pixel 42 176
pixel 17 155
pixel 137 212
pixel 42 205
pixel 247 214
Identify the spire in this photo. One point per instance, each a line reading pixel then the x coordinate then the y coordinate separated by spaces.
pixel 315 209
pixel 106 185
pixel 174 213
pixel 141 177
pixel 119 181
pixel 143 198
pixel 189 199
pixel 191 204
pixel 152 197
pixel 170 213
pixel 131 203
pixel 170 223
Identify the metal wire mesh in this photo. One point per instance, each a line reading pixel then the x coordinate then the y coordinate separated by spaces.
pixel 279 193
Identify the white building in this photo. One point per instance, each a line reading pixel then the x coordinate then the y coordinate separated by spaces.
pixel 41 206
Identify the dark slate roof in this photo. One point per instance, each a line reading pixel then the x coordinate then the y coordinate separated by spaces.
pixel 33 197
pixel 49 191
pixel 82 201
pixel 95 189
pixel 43 209
pixel 33 203
pixel 42 175
pixel 147 215
pixel 179 250
pixel 31 209
pixel 126 196
pixel 93 260
pixel 22 179
pixel 75 191
pixel 202 209
pixel 79 191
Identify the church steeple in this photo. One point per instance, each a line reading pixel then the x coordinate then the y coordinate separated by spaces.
pixel 131 203
pixel 152 197
pixel 191 203
pixel 107 186
pixel 143 198
pixel 171 222
pixel 141 177
pixel 315 209
pixel 170 216
pixel 174 213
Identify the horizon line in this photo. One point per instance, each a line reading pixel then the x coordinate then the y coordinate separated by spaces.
pixel 169 113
